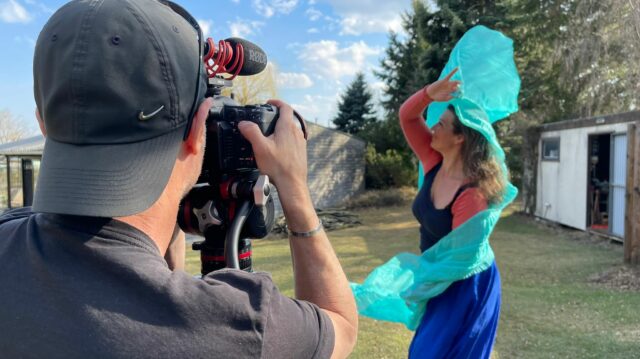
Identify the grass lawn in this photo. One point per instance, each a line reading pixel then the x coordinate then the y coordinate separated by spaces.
pixel 550 307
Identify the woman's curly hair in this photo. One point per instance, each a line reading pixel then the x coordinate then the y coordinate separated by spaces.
pixel 479 163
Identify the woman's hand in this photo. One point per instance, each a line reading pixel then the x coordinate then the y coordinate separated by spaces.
pixel 442 90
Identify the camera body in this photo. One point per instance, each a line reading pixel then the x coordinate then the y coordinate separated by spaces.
pixel 232 201
pixel 227 151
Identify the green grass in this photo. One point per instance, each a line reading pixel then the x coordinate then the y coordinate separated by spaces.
pixel 549 307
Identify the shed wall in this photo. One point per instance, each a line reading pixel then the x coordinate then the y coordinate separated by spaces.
pixel 562 185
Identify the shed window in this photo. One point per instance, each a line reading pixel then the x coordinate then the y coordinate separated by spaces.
pixel 551 149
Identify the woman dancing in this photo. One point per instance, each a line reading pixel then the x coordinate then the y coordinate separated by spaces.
pixel 461 179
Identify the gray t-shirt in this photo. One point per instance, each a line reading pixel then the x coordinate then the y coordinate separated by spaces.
pixel 82 287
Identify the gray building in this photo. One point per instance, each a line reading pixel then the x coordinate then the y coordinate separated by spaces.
pixel 336 168
pixel 19 167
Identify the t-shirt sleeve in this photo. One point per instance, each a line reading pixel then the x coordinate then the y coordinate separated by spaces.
pixel 252 311
pixel 468 204
pixel 296 329
pixel 416 131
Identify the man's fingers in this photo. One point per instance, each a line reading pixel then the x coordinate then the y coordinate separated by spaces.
pixel 451 74
pixel 276 102
pixel 301 122
pixel 253 134
pixel 286 113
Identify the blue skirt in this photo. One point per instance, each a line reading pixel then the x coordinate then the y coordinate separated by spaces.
pixel 462 321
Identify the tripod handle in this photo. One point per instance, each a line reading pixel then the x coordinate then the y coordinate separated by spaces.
pixel 233 235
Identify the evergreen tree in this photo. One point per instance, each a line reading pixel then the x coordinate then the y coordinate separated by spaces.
pixel 417 60
pixel 355 109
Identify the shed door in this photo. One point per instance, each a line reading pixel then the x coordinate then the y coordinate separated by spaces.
pixel 618 180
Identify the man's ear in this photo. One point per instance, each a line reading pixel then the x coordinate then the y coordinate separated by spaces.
pixel 41 123
pixel 195 139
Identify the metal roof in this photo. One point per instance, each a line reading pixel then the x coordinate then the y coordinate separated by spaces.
pixel 626 117
pixel 32 146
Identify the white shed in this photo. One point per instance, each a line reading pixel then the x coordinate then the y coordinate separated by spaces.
pixel 582 172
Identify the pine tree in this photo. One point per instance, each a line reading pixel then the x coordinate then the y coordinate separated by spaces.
pixel 355 109
pixel 418 60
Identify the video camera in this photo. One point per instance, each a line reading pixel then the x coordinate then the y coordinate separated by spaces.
pixel 232 201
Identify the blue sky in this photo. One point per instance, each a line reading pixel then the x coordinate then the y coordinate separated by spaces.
pixel 317 46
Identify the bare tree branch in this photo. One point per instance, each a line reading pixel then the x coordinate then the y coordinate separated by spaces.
pixel 11 129
pixel 256 89
pixel 635 16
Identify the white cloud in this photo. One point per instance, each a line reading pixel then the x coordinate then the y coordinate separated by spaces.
pixel 379 86
pixel 291 80
pixel 366 16
pixel 313 30
pixel 325 59
pixel 25 40
pixel 318 109
pixel 358 24
pixel 11 11
pixel 268 8
pixel 206 26
pixel 241 28
pixel 41 6
pixel 313 14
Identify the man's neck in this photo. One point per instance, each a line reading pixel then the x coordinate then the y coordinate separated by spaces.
pixel 158 221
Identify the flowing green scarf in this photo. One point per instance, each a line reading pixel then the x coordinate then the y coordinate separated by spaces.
pixel 398 291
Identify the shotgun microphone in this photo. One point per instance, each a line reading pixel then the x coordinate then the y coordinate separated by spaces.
pixel 235 56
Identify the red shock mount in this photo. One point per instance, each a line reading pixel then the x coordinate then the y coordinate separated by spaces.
pixel 218 60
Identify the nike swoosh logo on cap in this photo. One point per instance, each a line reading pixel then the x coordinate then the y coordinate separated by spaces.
pixel 143 117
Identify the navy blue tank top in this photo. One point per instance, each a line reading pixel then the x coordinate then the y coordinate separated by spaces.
pixel 434 223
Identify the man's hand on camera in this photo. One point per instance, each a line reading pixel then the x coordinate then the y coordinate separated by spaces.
pixel 318 276
pixel 283 155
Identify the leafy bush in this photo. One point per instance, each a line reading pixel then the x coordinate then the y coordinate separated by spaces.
pixel 388 169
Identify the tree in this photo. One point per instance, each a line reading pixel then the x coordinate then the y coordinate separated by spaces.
pixel 596 54
pixel 355 108
pixel 256 89
pixel 574 60
pixel 416 61
pixel 11 129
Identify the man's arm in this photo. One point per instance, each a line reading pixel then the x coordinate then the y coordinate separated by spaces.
pixel 318 275
pixel 319 278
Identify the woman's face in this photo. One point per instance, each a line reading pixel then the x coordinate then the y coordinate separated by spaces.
pixel 443 137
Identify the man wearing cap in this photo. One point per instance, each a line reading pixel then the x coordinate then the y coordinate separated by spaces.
pixel 93 269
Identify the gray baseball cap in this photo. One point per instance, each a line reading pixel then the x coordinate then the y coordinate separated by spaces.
pixel 117 83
